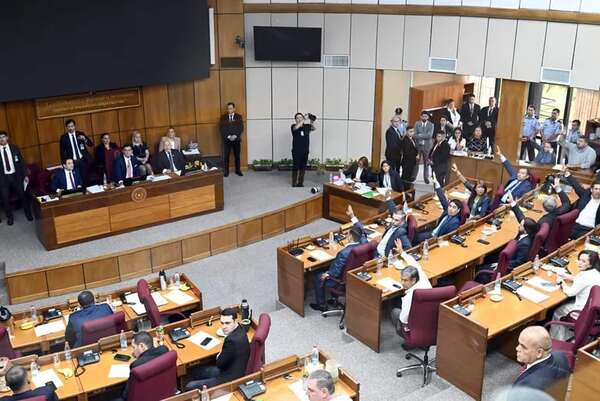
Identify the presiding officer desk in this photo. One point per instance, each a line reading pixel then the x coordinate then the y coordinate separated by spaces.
pixel 29 340
pixel 463 341
pixel 292 270
pixel 78 218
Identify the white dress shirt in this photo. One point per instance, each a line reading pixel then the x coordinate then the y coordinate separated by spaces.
pixel 387 181
pixel 422 283
pixel 455 117
pixel 129 167
pixel 587 217
pixel 582 285
pixel 74 146
pixel 70 178
pixel 10 169
pixel 359 171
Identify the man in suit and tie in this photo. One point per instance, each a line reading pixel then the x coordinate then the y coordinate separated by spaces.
pixel 126 166
pixel 233 358
pixel 448 221
pixel 231 127
pixel 19 382
pixel 332 277
pixel 439 158
pixel 90 310
pixel 144 351
pixel 469 114
pixel 13 178
pixel 67 179
pixel 393 143
pixel 170 160
pixel 410 159
pixel 73 145
pixel 396 231
pixel 518 184
pixel 424 138
pixel 542 369
pixel 488 118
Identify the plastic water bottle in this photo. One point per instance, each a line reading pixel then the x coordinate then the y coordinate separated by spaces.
pixel 177 279
pixel 331 238
pixel 161 335
pixel 34 368
pixel 56 360
pixel 391 259
pixel 123 340
pixel 33 313
pixel 497 284
pixel 331 178
pixel 536 264
pixel 67 351
pixel 405 207
pixel 314 356
pixel 205 396
pixel 163 280
pixel 379 264
pixel 425 250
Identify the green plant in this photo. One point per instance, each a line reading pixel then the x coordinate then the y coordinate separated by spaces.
pixel 316 162
pixel 262 162
pixel 334 162
pixel 285 162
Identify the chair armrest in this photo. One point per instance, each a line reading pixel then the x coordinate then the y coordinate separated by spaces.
pixel 559 323
pixel 173 313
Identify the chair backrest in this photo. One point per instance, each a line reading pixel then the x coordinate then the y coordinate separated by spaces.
pixel 533 179
pixel 257 346
pixel 143 290
pixel 6 348
pixel 465 212
pixel 93 330
pixel 505 256
pixel 36 398
pixel 155 379
pixel 497 197
pixel 587 318
pixel 411 227
pixel 359 255
pixel 561 229
pixel 539 240
pixel 423 316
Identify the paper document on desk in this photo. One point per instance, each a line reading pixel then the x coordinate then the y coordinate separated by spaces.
pixel 120 371
pixel 531 294
pixel 362 190
pixel 178 297
pixel 66 318
pixel 297 388
pixel 48 328
pixel 45 376
pixel 457 194
pixel 541 284
pixel 95 189
pixel 159 299
pixel 320 255
pixel 225 397
pixel 388 284
pixel 46 199
pixel 157 178
pixel 200 336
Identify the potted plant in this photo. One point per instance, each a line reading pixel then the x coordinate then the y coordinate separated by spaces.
pixel 285 164
pixel 262 165
pixel 333 164
pixel 313 164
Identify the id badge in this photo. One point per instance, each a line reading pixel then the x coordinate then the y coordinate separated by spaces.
pixel 301 133
pixel 81 146
pixel 16 159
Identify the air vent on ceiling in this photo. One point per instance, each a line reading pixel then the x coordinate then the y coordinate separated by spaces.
pixel 556 76
pixel 438 64
pixel 336 61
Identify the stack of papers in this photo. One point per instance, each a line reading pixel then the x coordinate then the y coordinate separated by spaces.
pixel 531 294
pixel 95 189
pixel 45 376
pixel 179 297
pixel 388 284
pixel 362 190
pixel 542 284
pixel 460 195
pixel 159 299
pixel 120 371
pixel 48 328
pixel 320 255
pixel 297 388
pixel 200 336
pixel 157 178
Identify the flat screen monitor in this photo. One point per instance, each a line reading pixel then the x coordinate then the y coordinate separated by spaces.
pixel 287 43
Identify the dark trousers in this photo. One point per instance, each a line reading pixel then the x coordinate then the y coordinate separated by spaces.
pixel 409 174
pixel 395 164
pixel 441 174
pixel 527 146
pixel 580 231
pixel 300 159
pixel 228 146
pixel 321 286
pixel 207 376
pixel 490 133
pixel 422 236
pixel 13 186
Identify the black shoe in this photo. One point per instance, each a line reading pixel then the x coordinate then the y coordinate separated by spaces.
pixel 318 307
pixel 9 221
pixel 29 217
pixel 426 180
pixel 239 173
pixel 226 174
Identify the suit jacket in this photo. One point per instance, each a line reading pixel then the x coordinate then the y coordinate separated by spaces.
pixel 18 162
pixel 467 117
pixel 543 375
pixel 234 356
pixel 440 155
pixel 66 150
pixel 522 254
pixel 565 206
pixel 401 233
pixel 235 127
pixel 162 161
pixel 336 268
pixel 522 188
pixel 393 144
pixel 395 180
pixel 481 208
pixel 584 196
pixel 161 144
pixel 45 391
pixel 146 356
pixel 492 118
pixel 120 168
pixel 409 152
pixel 423 133
pixel 452 222
pixel 59 180
pixel 101 153
pixel 73 333
pixel 365 176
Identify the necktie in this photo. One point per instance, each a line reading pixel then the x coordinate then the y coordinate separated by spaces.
pixel 129 169
pixel 171 161
pixel 490 111
pixel 231 118
pixel 6 160
pixel 76 154
pixel 72 179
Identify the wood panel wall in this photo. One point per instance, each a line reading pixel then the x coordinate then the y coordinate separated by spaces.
pixel 192 107
pixel 513 104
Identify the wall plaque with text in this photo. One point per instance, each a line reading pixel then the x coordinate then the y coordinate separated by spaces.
pixel 90 103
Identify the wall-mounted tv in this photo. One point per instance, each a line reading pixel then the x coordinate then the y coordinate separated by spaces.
pixel 287 43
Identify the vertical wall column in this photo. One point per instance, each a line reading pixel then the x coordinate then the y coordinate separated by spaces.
pixel 513 103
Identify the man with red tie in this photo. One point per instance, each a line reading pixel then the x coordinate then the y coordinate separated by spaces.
pixel 67 179
pixel 13 178
pixel 126 166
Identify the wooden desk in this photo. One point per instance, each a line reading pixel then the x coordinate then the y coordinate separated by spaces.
pixel 26 340
pixel 292 270
pixel 492 325
pixel 336 199
pixel 82 218
pixel 585 383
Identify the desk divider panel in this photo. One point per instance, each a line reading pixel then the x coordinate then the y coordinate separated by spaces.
pixel 101 272
pixel 195 248
pixel 295 217
pixel 249 231
pixel 585 383
pixel 166 256
pixel 223 239
pixel 290 281
pixel 135 264
pixel 273 224
pixel 65 279
pixel 363 310
pixel 314 209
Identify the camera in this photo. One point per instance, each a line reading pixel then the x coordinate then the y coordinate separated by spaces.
pixel 312 117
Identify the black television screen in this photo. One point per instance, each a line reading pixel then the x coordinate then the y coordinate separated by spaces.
pixel 287 43
pixel 63 47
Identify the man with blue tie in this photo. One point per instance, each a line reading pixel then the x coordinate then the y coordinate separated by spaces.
pixel 67 179
pixel 518 184
pixel 170 160
pixel 334 274
pixel 448 221
pixel 126 166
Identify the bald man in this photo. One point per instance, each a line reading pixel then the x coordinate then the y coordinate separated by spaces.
pixel 542 368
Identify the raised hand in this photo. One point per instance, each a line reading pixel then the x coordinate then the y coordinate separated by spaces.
pixel 349 211
pixel 398 246
pixel 498 151
pixel 455 168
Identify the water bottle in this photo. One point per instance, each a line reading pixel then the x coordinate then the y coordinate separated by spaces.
pixel 497 284
pixel 33 313
pixel 536 264
pixel 331 178
pixel 161 334
pixel 67 351
pixel 331 238
pixel 391 259
pixel 56 360
pixel 205 396
pixel 34 368
pixel 379 264
pixel 123 340
pixel 405 207
pixel 104 180
pixel 314 356
pixel 177 280
pixel 163 280
pixel 425 250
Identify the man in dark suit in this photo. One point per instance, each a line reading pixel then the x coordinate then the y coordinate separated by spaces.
pixel 13 178
pixel 231 127
pixel 488 118
pixel 410 159
pixel 20 384
pixel 398 230
pixel 143 351
pixel 332 277
pixel 126 166
pixel 542 368
pixel 393 143
pixel 439 158
pixel 73 145
pixel 588 205
pixel 424 138
pixel 518 184
pixel 67 179
pixel 233 358
pixel 469 115
pixel 550 207
pixel 170 160
pixel 89 311
pixel 448 221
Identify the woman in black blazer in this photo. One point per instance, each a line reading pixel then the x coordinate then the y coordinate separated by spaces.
pixel 389 178
pixel 479 201
pixel 362 168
